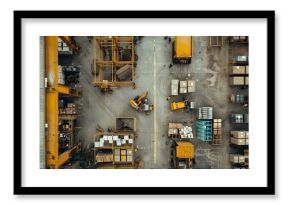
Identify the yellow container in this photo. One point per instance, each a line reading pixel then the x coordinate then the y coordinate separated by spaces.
pixel 184 150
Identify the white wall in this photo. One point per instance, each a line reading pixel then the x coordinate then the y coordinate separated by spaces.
pixel 282 100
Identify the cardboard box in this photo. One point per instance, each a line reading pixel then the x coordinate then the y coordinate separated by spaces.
pixel 123 158
pixel 182 90
pixel 183 84
pixel 117 151
pixel 129 158
pixel 117 158
pixel 191 89
pixel 123 152
pixel 129 152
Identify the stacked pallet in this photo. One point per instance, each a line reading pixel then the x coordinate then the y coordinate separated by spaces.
pixel 183 87
pixel 217 131
pixel 190 86
pixel 239 137
pixel 205 113
pixel 100 157
pixel 69 110
pixel 174 87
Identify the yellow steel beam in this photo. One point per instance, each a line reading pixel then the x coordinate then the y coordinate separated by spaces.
pixel 51 105
pixel 63 89
pixel 65 156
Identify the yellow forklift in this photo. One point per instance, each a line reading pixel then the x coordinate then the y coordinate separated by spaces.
pixel 140 103
pixel 183 105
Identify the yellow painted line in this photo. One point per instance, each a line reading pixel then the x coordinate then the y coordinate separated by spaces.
pixel 155 105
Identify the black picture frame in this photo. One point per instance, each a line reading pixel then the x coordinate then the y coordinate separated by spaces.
pixel 268 190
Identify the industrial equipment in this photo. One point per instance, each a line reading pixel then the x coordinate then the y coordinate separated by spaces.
pixel 182 50
pixel 60 145
pixel 183 105
pixel 115 64
pixel 183 155
pixel 141 103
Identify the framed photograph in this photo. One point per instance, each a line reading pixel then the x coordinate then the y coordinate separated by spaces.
pixel 144 102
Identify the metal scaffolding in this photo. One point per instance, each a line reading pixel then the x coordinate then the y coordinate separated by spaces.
pixel 113 62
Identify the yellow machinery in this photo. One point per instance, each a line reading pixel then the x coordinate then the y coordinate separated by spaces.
pixel 183 104
pixel 140 103
pixel 177 105
pixel 53 158
pixel 114 66
pixel 184 153
pixel 182 50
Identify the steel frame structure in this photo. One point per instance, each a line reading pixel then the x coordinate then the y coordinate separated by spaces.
pixel 104 45
pixel 54 160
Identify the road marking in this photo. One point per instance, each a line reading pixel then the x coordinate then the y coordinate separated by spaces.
pixel 155 105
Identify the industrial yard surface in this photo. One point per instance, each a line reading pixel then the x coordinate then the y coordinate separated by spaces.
pixel 153 147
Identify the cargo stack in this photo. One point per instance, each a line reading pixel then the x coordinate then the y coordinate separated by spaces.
pixel 174 87
pixel 239 75
pixel 129 155
pixel 190 86
pixel 239 137
pixel 117 155
pixel 183 87
pixel 61 80
pixel 100 157
pixel 205 113
pixel 123 155
pixel 237 159
pixel 70 109
pixel 217 131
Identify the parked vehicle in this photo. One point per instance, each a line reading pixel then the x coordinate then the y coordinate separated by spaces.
pixel 182 50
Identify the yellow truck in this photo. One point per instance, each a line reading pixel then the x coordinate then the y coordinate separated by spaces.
pixel 182 104
pixel 184 155
pixel 182 50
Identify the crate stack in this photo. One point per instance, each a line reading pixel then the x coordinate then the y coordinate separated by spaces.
pixel 183 87
pixel 61 80
pixel 205 113
pixel 239 138
pixel 190 86
pixel 123 156
pixel 104 157
pixel 239 75
pixel 217 132
pixel 174 87
pixel 70 109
